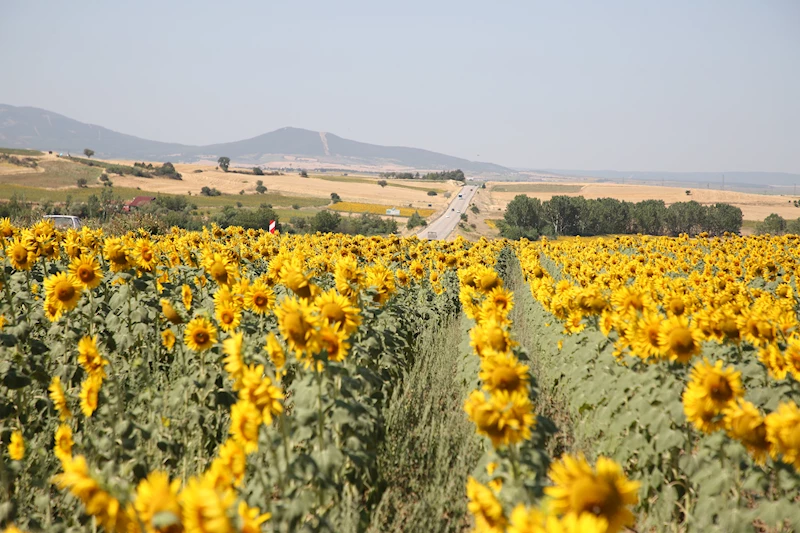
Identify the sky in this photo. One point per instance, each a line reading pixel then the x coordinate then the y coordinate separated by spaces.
pixel 623 85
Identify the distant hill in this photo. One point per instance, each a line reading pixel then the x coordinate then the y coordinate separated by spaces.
pixel 30 127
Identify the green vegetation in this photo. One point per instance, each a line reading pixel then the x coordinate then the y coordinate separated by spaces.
pixel 88 152
pixel 538 187
pixel 575 215
pixel 335 198
pixel 415 220
pixel 224 162
pixel 776 225
pixel 260 188
pixel 19 151
pixel 53 174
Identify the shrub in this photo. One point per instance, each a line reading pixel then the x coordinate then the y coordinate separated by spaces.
pixel 257 171
pixel 206 191
pixel 335 198
pixel 82 183
pixel 432 193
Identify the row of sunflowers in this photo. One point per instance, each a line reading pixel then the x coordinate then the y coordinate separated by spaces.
pixel 214 381
pixel 681 358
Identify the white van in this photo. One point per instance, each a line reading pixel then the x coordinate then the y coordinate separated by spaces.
pixel 64 221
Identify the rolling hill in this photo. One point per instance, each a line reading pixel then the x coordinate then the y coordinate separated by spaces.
pixel 30 127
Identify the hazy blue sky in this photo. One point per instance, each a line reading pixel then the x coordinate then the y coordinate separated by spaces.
pixel 668 85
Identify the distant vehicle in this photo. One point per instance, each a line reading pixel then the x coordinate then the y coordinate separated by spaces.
pixel 64 221
pixel 460 195
pixel 447 215
pixel 431 234
pixel 452 209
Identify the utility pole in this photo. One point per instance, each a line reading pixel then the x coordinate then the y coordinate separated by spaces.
pixel 723 182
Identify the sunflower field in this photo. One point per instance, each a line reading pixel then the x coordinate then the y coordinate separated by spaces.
pixel 238 381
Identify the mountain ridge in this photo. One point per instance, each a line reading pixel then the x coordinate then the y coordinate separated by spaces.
pixel 32 127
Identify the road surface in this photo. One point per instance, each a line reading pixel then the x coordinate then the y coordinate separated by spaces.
pixel 445 224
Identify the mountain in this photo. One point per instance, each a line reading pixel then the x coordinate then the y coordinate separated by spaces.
pixel 30 127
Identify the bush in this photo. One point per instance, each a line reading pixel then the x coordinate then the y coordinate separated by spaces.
pixel 295 206
pixel 335 198
pixel 432 193
pixel 415 220
pixel 303 174
pixel 383 183
pixel 82 183
pixel 260 189
pixel 257 171
pixel 206 191
pixel 474 209
pixel 464 217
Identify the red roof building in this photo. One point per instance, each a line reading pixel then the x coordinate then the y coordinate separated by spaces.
pixel 137 202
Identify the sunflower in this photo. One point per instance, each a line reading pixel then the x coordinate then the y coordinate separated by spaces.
pixel 506 418
pixel 168 339
pixel 169 312
pixel 20 256
pixel 63 443
pixel 89 357
pixel 485 507
pixel 259 298
pixel 490 336
pixel 334 342
pixel 645 343
pixel 337 311
pixel 144 255
pixel 86 269
pixel 205 507
pixel 745 423
pixel 381 280
pixel 258 389
pixel 604 492
pixel 251 518
pixel 114 253
pixel 233 459
pixel 156 494
pixel 63 291
pixel 90 389
pixel 292 275
pixel 502 299
pixel 504 372
pixel 711 389
pixel 275 351
pixel 110 514
pixel 219 267
pixel 679 340
pixel 297 323
pixel 16 448
pixel 229 316
pixel 416 269
pixel 200 334
pixel 186 297
pixel 245 421
pixel 348 277
pixel 59 398
pixel 783 433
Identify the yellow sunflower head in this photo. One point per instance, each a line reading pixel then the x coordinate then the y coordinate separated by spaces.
pixel 200 334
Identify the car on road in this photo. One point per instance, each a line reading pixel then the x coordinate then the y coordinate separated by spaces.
pixel 64 221
pixel 447 215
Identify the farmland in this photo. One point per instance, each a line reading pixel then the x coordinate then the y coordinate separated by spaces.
pixel 231 380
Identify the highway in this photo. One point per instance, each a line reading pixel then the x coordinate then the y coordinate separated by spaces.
pixel 445 224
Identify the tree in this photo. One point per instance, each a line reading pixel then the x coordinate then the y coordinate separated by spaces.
pixel 723 217
pixel 649 217
pixel 206 191
pixel 257 171
pixel 303 174
pixel 563 215
pixel 415 220
pixel 326 222
pixel 82 183
pixel 774 224
pixel 335 198
pixel 432 193
pixel 383 183
pixel 522 218
pixel 88 152
pixel 223 163
pixel 260 189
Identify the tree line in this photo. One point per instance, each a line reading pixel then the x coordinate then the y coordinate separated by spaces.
pixel 777 225
pixel 575 215
pixel 457 175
